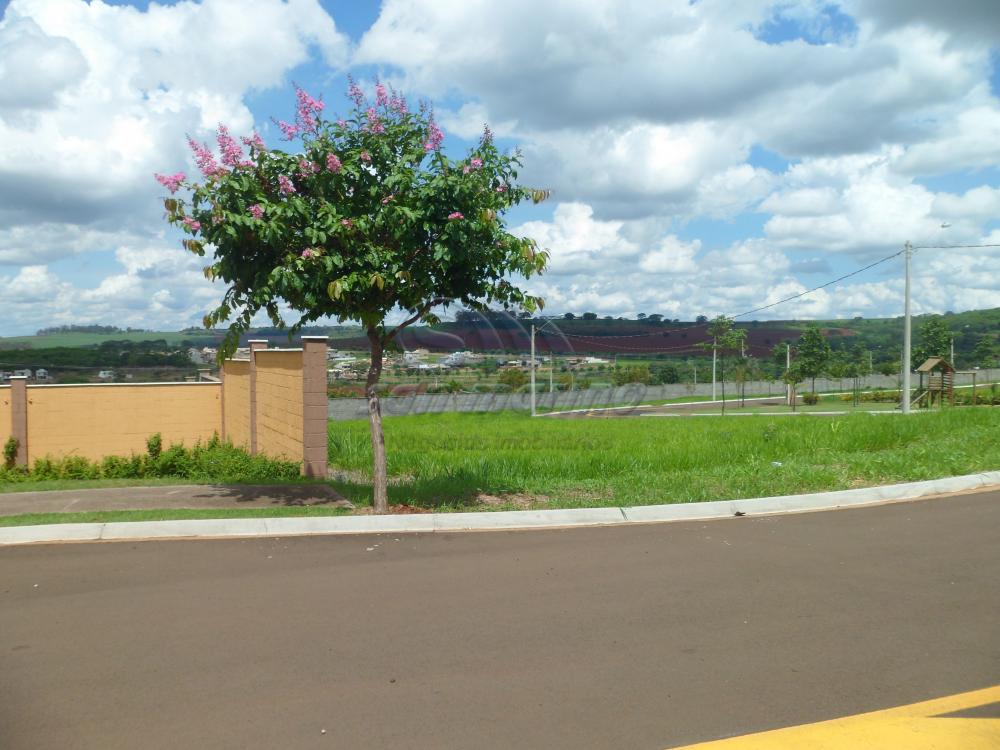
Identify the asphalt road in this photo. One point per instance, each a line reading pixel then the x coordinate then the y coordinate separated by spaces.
pixel 639 637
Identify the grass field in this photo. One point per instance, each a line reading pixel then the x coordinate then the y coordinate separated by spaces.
pixel 507 461
pixel 454 461
pixel 94 339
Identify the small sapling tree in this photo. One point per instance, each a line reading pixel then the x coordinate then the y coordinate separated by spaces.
pixel 725 338
pixel 369 221
pixel 813 354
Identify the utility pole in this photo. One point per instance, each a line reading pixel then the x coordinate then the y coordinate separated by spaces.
pixel 870 368
pixel 952 360
pixel 788 366
pixel 907 324
pixel 552 366
pixel 532 364
pixel 714 348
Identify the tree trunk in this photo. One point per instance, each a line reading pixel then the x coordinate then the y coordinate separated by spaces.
pixel 380 479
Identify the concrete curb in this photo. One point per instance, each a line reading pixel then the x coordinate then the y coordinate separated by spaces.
pixel 501 520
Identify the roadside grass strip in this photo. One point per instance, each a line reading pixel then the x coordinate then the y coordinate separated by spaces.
pixel 509 461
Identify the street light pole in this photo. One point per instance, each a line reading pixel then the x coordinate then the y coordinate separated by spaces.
pixel 907 332
pixel 713 368
pixel 532 368
pixel 788 366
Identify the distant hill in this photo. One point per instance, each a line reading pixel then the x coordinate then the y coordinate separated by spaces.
pixel 641 338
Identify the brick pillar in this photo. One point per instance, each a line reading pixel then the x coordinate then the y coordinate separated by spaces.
pixel 19 417
pixel 222 400
pixel 255 346
pixel 314 409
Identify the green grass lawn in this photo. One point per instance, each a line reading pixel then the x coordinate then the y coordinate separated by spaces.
pixel 168 514
pixel 448 461
pixel 452 462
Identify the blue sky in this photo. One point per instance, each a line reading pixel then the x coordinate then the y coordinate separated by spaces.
pixel 703 158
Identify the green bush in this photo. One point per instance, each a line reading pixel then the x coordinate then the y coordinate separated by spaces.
pixel 154 445
pixel 213 461
pixel 810 399
pixel 10 452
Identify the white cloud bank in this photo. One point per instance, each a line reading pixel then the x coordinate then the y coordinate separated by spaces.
pixel 644 118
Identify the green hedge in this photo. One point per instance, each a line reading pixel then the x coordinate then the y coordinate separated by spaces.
pixel 213 461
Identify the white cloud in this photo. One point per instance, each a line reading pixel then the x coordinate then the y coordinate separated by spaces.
pixel 155 286
pixel 672 256
pixel 578 242
pixel 35 67
pixel 119 88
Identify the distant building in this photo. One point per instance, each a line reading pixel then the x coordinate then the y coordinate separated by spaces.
pixel 461 359
pixel 204 356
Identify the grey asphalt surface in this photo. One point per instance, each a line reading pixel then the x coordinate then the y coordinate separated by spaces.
pixel 620 637
pixel 170 496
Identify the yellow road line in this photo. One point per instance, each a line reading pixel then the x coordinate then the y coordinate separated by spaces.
pixel 919 726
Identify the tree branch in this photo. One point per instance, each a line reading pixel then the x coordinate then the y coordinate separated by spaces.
pixel 416 316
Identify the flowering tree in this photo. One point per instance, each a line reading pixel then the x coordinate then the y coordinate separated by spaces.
pixel 369 222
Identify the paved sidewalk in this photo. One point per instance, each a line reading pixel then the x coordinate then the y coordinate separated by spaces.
pixel 171 496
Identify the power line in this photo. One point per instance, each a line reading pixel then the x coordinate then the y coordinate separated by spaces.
pixel 951 247
pixel 821 286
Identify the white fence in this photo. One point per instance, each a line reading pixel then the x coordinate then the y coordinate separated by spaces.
pixel 430 403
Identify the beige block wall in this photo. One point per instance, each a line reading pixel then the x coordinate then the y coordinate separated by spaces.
pixel 94 421
pixel 236 382
pixel 4 414
pixel 279 403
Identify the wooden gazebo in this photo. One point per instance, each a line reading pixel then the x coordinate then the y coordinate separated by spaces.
pixel 940 382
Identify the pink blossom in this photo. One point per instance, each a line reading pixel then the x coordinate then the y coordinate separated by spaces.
pixel 170 181
pixel 307 168
pixel 397 103
pixel 342 122
pixel 204 158
pixel 232 154
pixel 502 189
pixel 455 215
pixel 381 95
pixel 476 162
pixel 257 211
pixel 388 199
pixel 434 137
pixel 191 224
pixel 289 130
pixel 347 223
pixel 308 253
pixel 286 184
pixel 466 169
pixel 355 93
pixel 374 123
pixel 255 141
pixel 333 163
pixel 307 109
pixel 365 156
